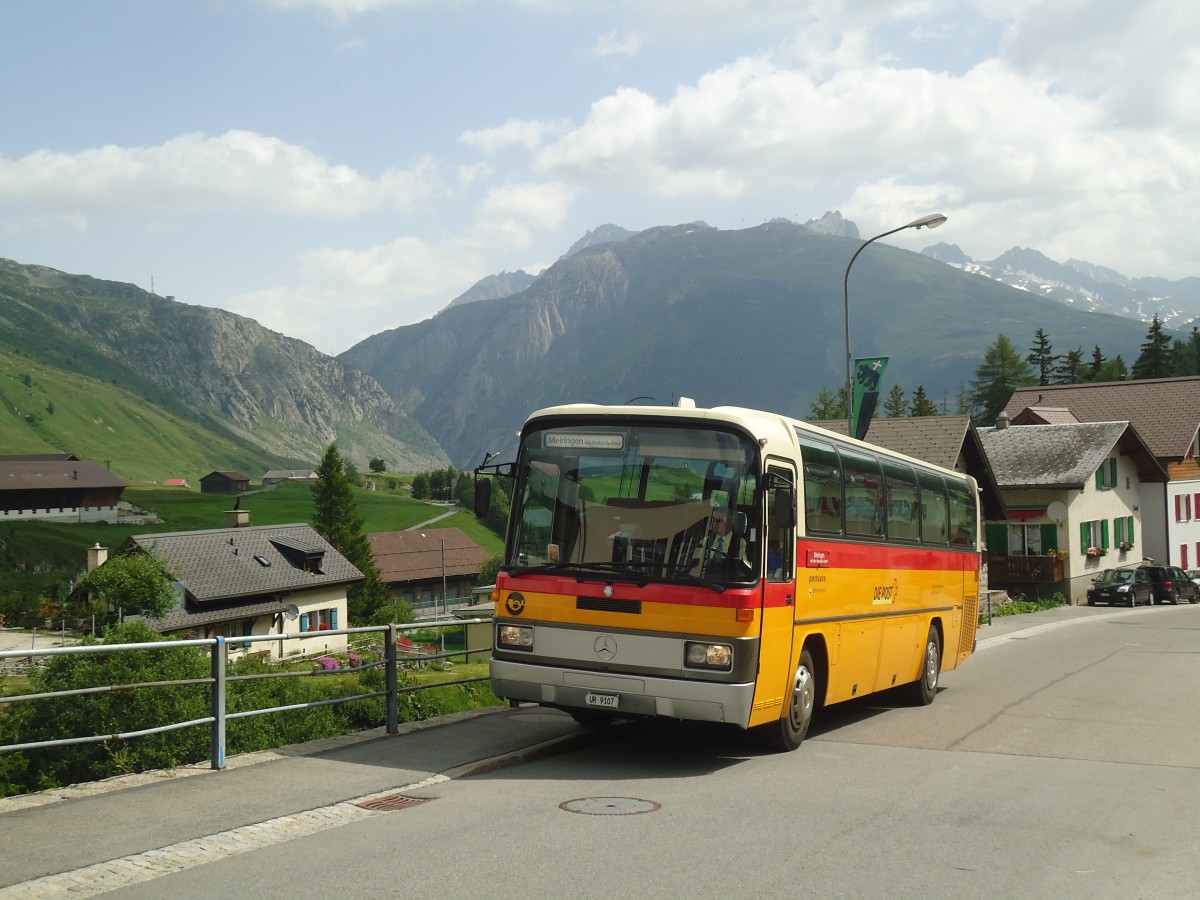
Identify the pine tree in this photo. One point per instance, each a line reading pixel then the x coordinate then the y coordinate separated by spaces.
pixel 1155 360
pixel 828 405
pixel 1096 364
pixel 1041 356
pixel 1001 372
pixel 1070 369
pixel 336 518
pixel 922 405
pixel 1186 354
pixel 895 406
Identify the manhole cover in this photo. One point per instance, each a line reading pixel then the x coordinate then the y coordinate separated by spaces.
pixel 610 806
pixel 392 801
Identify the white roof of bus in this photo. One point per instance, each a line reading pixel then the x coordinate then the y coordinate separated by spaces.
pixel 778 431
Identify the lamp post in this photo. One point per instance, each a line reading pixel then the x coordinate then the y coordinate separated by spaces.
pixel 931 221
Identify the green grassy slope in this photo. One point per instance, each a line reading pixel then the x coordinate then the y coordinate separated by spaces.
pixel 46 410
pixel 36 555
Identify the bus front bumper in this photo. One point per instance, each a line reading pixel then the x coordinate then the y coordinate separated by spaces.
pixel 674 698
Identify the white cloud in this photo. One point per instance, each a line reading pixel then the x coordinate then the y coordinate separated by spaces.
pixel 519 133
pixel 194 172
pixel 614 44
pixel 403 280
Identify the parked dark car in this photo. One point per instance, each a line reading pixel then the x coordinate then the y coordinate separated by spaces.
pixel 1171 584
pixel 1124 587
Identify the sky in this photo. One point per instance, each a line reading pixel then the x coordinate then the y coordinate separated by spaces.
pixel 336 168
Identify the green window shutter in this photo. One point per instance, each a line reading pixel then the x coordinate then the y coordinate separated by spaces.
pixel 997 539
pixel 1104 533
pixel 1083 537
pixel 1129 530
pixel 1049 537
pixel 1112 472
pixel 1100 478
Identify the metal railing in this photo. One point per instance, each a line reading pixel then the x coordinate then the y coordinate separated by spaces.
pixel 218 680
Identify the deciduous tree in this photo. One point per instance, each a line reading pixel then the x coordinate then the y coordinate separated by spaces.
pixel 135 582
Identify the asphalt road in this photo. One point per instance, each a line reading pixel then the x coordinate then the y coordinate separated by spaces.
pixel 1063 760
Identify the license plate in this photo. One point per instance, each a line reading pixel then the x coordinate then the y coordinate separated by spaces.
pixel 605 701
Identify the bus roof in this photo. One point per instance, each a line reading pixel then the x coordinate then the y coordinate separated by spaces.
pixel 775 432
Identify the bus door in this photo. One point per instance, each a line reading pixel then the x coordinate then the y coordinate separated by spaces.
pixel 778 546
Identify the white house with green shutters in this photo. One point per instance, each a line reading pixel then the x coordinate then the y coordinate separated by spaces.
pixel 1074 495
pixel 261 580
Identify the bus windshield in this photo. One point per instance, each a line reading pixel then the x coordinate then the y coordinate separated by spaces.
pixel 647 502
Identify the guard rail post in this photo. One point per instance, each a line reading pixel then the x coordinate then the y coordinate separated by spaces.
pixel 392 682
pixel 218 704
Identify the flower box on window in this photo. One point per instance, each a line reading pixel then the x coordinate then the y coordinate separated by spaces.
pixel 1095 551
pixel 1126 545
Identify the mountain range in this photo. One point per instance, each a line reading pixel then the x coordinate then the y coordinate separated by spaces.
pixel 752 317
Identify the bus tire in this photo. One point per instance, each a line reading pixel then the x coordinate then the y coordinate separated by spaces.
pixel 788 732
pixel 924 689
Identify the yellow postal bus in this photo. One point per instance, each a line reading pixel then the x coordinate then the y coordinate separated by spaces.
pixel 725 565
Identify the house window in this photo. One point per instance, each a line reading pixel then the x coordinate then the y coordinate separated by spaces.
pixel 322 620
pixel 1093 535
pixel 1106 475
pixel 1024 540
pixel 1123 532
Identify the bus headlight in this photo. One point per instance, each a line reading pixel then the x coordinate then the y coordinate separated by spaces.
pixel 514 637
pixel 708 656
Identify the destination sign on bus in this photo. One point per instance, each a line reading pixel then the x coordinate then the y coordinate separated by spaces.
pixel 569 440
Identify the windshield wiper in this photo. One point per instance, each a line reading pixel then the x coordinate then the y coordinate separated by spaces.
pixel 580 570
pixel 680 573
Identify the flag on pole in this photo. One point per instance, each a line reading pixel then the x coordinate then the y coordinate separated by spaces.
pixel 868 376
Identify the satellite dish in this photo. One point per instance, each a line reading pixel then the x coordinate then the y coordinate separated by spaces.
pixel 292 611
pixel 1057 511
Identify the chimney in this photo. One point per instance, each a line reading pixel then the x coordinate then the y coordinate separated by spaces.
pixel 97 556
pixel 1002 420
pixel 237 518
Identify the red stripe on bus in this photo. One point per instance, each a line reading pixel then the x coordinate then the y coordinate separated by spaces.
pixel 852 555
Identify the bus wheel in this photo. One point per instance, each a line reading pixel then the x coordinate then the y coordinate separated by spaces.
pixel 922 691
pixel 789 731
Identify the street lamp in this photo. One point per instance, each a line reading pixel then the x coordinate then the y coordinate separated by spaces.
pixel 930 221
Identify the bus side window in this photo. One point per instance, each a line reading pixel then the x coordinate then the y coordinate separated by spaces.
pixel 962 515
pixel 864 494
pixel 822 487
pixel 902 506
pixel 935 517
pixel 781 530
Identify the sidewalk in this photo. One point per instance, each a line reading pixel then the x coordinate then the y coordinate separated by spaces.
pixel 80 826
pixel 136 827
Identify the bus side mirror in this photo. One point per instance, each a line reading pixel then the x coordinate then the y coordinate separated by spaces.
pixel 483 497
